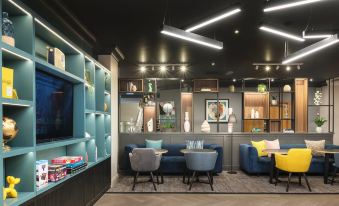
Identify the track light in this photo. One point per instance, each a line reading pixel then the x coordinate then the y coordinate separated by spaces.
pixel 311 80
pixel 267 68
pixel 234 80
pixel 277 67
pixel 181 34
pixel 212 20
pixel 289 5
pixel 162 69
pixel 143 69
pixel 316 36
pixel 272 80
pixel 256 67
pixel 281 33
pixel 288 68
pixel 183 68
pixel 311 49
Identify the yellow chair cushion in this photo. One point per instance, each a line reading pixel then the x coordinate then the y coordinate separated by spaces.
pixel 260 146
pixel 296 160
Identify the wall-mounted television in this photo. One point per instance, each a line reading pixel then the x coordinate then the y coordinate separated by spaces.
pixel 54 108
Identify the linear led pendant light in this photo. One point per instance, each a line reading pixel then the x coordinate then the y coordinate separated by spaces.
pixel 289 5
pixel 181 34
pixel 315 36
pixel 214 19
pixel 281 33
pixel 311 49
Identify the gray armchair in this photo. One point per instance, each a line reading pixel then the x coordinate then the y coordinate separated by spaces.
pixel 199 162
pixel 144 160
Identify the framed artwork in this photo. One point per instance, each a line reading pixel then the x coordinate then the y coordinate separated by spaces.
pixel 213 111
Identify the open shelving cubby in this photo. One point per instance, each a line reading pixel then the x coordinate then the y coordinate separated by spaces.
pixel 32 37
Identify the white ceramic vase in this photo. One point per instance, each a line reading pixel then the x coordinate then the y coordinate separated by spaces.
pixel 318 129
pixel 150 125
pixel 187 125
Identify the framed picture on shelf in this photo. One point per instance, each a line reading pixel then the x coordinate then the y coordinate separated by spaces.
pixel 215 111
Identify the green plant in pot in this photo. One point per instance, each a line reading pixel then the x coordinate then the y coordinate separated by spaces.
pixel 274 100
pixel 262 88
pixel 319 122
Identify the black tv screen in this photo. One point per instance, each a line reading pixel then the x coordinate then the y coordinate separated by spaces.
pixel 54 108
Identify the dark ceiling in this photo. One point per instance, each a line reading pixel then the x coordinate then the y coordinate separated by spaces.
pixel 134 25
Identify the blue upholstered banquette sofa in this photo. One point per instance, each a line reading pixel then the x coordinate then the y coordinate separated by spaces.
pixel 173 162
pixel 252 164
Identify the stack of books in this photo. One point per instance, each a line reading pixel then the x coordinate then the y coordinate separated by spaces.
pixel 72 163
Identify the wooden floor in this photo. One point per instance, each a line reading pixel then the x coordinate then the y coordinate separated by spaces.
pixel 110 199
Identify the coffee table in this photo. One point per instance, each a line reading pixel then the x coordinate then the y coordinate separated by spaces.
pixel 273 170
pixel 328 153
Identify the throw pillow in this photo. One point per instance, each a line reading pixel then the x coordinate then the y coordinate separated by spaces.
pixel 155 144
pixel 260 146
pixel 272 144
pixel 315 146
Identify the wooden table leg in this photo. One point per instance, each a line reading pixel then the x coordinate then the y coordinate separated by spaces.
pixel 327 167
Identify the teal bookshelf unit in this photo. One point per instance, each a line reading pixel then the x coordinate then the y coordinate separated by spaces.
pixel 91 92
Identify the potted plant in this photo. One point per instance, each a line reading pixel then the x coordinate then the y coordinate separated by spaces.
pixel 274 100
pixel 319 121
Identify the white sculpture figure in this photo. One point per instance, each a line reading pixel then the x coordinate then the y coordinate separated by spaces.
pixel 317 97
pixel 140 118
pixel 205 127
pixel 256 114
pixel 150 125
pixel 252 113
pixel 187 125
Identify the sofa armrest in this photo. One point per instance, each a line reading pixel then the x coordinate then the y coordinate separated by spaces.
pixel 248 157
pixel 331 146
pixel 219 163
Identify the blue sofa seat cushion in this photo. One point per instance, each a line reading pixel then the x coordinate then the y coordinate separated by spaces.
pixel 265 159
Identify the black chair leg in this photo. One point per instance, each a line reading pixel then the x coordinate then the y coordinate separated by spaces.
pixel 192 179
pixel 212 179
pixel 209 180
pixel 276 177
pixel 288 182
pixel 152 179
pixel 136 174
pixel 299 176
pixel 308 185
pixel 158 177
pixel 334 175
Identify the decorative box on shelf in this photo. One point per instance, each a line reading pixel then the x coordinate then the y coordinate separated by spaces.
pixel 56 57
pixel 131 85
pixel 56 172
pixel 41 173
pixel 206 85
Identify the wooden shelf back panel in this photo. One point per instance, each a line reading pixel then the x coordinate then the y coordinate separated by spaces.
pixel 250 124
pixel 275 126
pixel 212 84
pixel 257 101
pixel 186 106
pixel 123 85
pixel 301 94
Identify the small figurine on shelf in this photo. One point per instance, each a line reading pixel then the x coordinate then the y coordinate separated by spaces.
pixel 9 131
pixel 10 191
pixel 7 30
pixel 274 100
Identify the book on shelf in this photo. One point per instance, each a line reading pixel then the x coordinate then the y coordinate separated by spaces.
pixel 66 160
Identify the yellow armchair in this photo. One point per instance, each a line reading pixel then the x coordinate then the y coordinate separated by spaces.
pixel 296 161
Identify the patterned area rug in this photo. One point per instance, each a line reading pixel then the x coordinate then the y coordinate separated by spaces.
pixel 227 184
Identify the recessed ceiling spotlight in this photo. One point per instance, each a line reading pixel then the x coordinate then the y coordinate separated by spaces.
pixel 213 63
pixel 289 5
pixel 288 68
pixel 143 69
pixel 272 80
pixel 215 19
pixel 182 80
pixel 152 68
pixel 183 68
pixel 267 68
pixel 298 67
pixel 311 80
pixel 162 69
pixel 173 68
pixel 281 33
pixel 234 80
pixel 236 31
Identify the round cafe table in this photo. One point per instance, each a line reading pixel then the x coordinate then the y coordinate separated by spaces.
pixel 328 153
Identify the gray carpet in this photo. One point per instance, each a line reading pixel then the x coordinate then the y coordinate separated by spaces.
pixel 225 183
